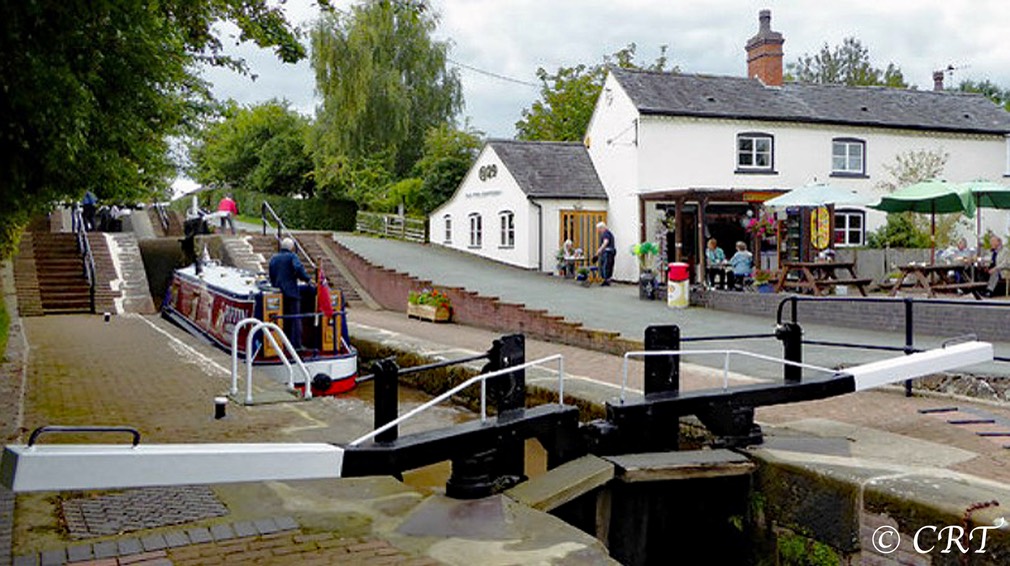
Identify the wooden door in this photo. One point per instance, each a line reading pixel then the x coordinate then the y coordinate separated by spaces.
pixel 579 226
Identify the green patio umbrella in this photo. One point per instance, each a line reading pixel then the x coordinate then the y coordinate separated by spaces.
pixel 985 194
pixel 929 197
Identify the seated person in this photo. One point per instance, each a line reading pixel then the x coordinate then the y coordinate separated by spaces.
pixel 569 255
pixel 742 264
pixel 958 253
pixel 715 264
pixel 999 264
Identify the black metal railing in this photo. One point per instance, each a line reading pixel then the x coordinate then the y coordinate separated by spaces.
pixel 84 249
pixel 282 230
pixel 908 320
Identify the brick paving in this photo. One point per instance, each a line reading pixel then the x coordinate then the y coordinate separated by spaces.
pixel 139 509
pixel 290 545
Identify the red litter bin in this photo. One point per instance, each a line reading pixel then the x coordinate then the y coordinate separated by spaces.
pixel 678 288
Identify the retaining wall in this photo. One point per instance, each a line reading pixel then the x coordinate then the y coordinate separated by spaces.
pixel 390 288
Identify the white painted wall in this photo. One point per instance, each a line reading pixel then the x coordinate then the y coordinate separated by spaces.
pixel 488 198
pixel 613 140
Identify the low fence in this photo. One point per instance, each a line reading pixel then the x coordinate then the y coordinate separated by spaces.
pixel 393 226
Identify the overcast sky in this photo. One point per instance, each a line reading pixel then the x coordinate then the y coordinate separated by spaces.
pixel 514 37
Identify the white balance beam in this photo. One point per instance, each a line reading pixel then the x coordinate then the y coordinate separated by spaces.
pixel 894 370
pixel 57 467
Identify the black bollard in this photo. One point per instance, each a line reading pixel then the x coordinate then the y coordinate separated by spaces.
pixel 387 402
pixel 220 406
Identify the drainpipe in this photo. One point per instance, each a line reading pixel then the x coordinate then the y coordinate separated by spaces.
pixel 540 234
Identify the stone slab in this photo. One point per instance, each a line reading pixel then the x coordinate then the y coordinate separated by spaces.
pixel 564 483
pixel 686 464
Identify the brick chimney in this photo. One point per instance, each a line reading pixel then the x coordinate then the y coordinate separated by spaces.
pixel 938 81
pixel 764 52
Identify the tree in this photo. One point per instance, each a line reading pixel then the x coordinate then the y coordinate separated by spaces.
pixel 384 82
pixel 262 148
pixel 448 154
pixel 90 92
pixel 568 97
pixel 907 229
pixel 848 64
pixel 992 91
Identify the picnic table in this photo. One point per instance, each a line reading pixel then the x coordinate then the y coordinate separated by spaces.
pixel 819 277
pixel 935 279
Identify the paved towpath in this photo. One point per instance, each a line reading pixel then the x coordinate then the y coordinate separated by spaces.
pixel 617 308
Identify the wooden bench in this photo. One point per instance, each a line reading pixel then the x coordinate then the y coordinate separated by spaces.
pixel 973 288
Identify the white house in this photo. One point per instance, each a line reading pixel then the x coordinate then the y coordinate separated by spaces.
pixel 520 200
pixel 683 157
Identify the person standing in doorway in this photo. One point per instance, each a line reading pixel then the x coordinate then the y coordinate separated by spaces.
pixel 606 252
pixel 285 272
pixel 228 206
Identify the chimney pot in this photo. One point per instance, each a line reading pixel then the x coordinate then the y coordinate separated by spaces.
pixel 765 20
pixel 938 81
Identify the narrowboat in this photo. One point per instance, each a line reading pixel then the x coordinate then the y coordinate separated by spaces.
pixel 208 300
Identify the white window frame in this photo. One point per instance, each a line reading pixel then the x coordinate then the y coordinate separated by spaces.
pixel 476 230
pixel 847 214
pixel 753 152
pixel 848 170
pixel 447 223
pixel 507 232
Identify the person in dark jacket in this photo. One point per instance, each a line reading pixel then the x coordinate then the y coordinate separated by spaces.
pixel 285 272
pixel 606 252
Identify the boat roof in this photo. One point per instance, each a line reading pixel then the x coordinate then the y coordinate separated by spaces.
pixel 230 279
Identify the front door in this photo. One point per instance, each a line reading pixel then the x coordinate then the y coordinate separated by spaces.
pixel 579 226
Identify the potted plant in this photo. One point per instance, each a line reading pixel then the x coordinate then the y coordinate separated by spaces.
pixel 646 253
pixel 763 280
pixel 582 276
pixel 429 304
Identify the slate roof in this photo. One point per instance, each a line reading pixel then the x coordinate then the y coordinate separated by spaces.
pixel 742 98
pixel 551 169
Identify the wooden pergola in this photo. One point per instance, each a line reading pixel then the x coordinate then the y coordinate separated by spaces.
pixel 702 198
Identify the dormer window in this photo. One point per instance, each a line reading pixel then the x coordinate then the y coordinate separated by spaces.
pixel 755 153
pixel 848 157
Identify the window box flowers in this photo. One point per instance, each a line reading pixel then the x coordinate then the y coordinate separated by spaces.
pixel 429 304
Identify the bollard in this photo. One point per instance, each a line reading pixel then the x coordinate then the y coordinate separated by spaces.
pixel 386 397
pixel 220 405
pixel 107 316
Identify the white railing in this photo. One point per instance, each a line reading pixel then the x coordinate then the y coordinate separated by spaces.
pixel 268 329
pixel 482 379
pixel 725 365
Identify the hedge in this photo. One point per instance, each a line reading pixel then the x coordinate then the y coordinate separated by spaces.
pixel 297 214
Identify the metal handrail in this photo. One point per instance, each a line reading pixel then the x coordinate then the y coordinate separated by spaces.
pixel 268 329
pixel 162 216
pixel 482 379
pixel 281 229
pixel 84 248
pixel 725 366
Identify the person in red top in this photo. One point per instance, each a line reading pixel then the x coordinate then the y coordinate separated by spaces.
pixel 228 205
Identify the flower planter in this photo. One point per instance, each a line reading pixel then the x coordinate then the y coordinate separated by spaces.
pixel 429 312
pixel 765 288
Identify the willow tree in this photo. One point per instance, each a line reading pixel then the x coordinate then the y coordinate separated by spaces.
pixel 384 83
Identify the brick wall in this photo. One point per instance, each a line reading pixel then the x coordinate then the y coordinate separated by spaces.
pixel 390 289
pixel 984 319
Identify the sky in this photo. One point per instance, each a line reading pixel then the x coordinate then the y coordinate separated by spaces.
pixel 515 37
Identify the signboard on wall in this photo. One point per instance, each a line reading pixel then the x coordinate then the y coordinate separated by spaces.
pixel 759 196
